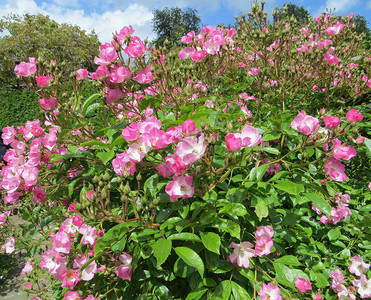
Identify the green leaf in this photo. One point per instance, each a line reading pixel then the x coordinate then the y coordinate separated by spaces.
pixel 283 273
pixel 288 187
pixel 320 202
pixel 261 209
pixel 229 226
pixel 213 118
pixel 258 173
pixel 93 107
pixel 234 209
pixel 368 145
pixel 161 250
pixel 239 292
pixel 271 150
pixel 197 294
pixel 150 186
pixel 191 258
pixel 222 291
pixel 95 143
pixel 106 156
pixel 185 236
pixel 288 260
pixel 88 101
pixel 211 241
pixel 334 234
pixel 111 237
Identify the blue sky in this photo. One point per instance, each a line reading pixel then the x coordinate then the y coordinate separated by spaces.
pixel 108 16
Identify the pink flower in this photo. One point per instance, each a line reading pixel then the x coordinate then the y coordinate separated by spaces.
pixel 303 285
pixel 364 286
pixel 43 81
pixel 335 169
pixel 263 246
pixel 306 124
pixel 8 135
pixel 26 69
pixel 39 196
pixel 343 152
pixel 233 141
pixel 318 297
pixel 269 292
pixel 106 56
pixel 9 245
pixel 136 48
pixel 144 76
pixel 191 149
pixel 337 279
pixel 123 164
pixel 264 232
pixel 361 139
pixel 250 137
pixel 52 260
pixel 90 270
pixel 28 285
pixel 89 235
pixel 358 266
pixel 335 29
pixel 125 32
pixel 113 95
pixel 124 271
pixel 198 56
pixel 354 116
pixel 189 128
pixel 71 295
pixel 186 52
pixel 69 278
pixel 119 74
pixel 241 254
pixel 131 132
pixel 77 221
pixel 82 74
pixel 331 59
pixel 181 187
pixel 91 297
pixel 331 122
pixel 61 242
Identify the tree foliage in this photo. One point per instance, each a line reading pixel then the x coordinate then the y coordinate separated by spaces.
pixel 288 10
pixel 172 23
pixel 38 35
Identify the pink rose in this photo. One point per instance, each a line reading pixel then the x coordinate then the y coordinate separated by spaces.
pixel 26 69
pixel 303 285
pixel 43 81
pixel 343 152
pixel 48 103
pixel 331 122
pixel 354 116
pixel 335 169
pixel 136 47
pixel 82 74
pixel 306 124
pixel 335 29
pixel 241 254
pixel 181 187
pixel 144 76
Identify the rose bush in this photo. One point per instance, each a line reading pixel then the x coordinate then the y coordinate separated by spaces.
pixel 209 171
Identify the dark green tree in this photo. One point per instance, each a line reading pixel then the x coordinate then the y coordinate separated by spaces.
pixel 38 35
pixel 173 23
pixel 289 10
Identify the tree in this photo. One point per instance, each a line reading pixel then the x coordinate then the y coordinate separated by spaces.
pixel 173 23
pixel 38 35
pixel 289 9
pixel 360 23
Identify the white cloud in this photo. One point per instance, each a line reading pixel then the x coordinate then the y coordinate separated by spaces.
pixel 104 24
pixel 340 6
pixel 369 4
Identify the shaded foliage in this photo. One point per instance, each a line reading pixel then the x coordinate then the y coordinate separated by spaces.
pixel 172 23
pixel 38 35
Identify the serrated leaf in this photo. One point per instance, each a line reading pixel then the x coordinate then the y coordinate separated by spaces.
pixel 197 294
pixel 258 173
pixel 288 260
pixel 239 292
pixel 106 156
pixel 211 241
pixel 288 187
pixel 161 250
pixel 93 107
pixel 222 291
pixel 185 236
pixel 191 258
pixel 261 209
pixel 320 202
pixel 283 273
pixel 235 209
